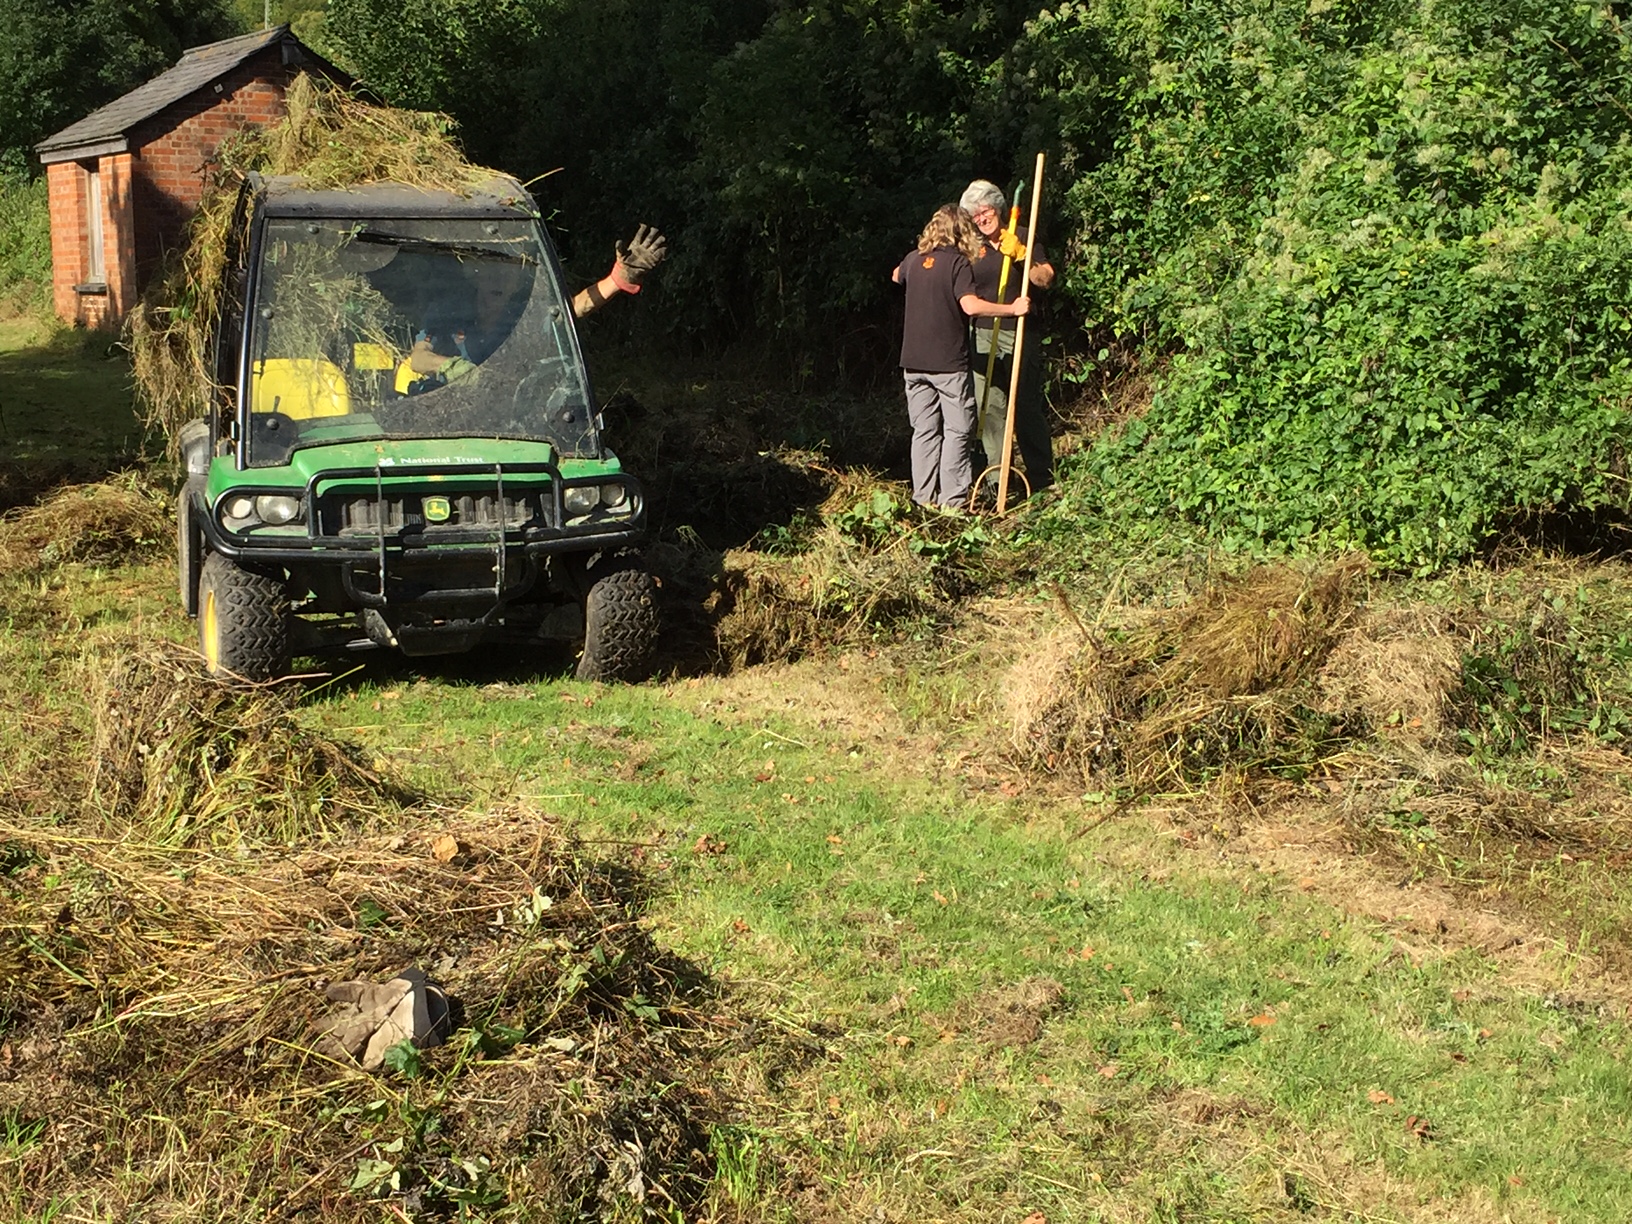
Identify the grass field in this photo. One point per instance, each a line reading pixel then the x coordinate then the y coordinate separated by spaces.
pixel 806 941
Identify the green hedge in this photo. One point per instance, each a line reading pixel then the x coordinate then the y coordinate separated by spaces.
pixel 1391 255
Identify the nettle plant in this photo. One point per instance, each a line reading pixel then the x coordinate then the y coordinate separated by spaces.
pixel 1390 252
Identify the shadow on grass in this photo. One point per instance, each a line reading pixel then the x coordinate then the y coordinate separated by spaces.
pixel 67 415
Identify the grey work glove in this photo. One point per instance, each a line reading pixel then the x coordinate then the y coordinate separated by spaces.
pixel 642 253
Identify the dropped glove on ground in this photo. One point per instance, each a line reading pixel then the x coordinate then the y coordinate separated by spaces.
pixel 370 1018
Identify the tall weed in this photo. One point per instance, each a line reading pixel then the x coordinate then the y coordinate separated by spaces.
pixel 25 240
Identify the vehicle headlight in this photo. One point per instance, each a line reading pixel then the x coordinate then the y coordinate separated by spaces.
pixel 239 511
pixel 277 508
pixel 614 495
pixel 581 499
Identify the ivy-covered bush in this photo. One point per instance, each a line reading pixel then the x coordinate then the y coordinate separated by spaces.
pixel 1390 250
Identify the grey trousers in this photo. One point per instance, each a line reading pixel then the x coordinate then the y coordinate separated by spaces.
pixel 1033 447
pixel 941 408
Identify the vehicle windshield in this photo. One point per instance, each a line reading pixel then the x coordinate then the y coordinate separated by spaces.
pixel 411 329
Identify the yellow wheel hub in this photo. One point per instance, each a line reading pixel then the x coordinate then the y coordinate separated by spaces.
pixel 209 631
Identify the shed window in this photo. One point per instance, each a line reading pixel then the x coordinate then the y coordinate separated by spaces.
pixel 95 272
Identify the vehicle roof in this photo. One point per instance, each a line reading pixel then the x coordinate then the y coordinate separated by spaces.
pixel 290 196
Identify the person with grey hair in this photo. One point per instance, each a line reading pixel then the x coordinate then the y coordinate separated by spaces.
pixel 985 203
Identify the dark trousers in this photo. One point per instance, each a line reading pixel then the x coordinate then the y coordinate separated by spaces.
pixel 1033 443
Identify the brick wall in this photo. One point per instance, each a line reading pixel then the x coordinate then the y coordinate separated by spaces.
pixel 175 152
pixel 65 187
pixel 68 187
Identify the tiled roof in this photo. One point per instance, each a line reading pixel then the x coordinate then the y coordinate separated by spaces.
pixel 196 68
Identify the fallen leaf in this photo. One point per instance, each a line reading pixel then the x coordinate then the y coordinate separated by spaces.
pixel 1420 1127
pixel 810 779
pixel 949 1035
pixel 903 1041
pixel 740 927
pixel 1109 1070
pixel 707 845
pixel 834 1105
pixel 764 777
pixel 1485 1034
pixel 1515 1180
pixel 1127 994
pixel 1262 1020
pixel 1035 1217
pixel 1378 1097
pixel 833 839
pixel 939 897
pixel 444 848
pixel 1307 883
pixel 1087 952
pixel 1042 1079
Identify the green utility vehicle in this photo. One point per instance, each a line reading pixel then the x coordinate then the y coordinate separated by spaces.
pixel 405 452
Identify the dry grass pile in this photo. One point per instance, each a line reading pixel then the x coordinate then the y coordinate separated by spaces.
pixel 159 1054
pixel 116 520
pixel 1223 683
pixel 1398 667
pixel 868 566
pixel 330 138
pixel 182 759
pixel 166 940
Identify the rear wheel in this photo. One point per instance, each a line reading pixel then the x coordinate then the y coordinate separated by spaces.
pixel 243 621
pixel 620 622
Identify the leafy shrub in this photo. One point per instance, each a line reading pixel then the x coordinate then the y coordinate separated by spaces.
pixel 25 239
pixel 1394 261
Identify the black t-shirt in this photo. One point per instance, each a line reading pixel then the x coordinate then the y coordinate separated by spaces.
pixel 933 339
pixel 988 270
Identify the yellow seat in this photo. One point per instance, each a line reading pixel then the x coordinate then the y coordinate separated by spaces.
pixel 299 387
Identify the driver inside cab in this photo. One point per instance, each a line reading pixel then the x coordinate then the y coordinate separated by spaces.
pixel 471 319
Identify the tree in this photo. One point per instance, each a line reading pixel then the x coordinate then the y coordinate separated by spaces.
pixel 61 59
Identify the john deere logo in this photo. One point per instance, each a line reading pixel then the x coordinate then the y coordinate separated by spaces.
pixel 437 510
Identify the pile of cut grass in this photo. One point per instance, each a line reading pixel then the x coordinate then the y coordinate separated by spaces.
pixel 181 758
pixel 168 926
pixel 329 137
pixel 1478 738
pixel 120 519
pixel 868 568
pixel 159 1013
pixel 1226 682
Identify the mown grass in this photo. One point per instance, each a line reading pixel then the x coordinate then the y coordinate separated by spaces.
pixel 65 411
pixel 885 920
pixel 947 989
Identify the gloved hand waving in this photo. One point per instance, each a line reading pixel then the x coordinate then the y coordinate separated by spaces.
pixel 639 256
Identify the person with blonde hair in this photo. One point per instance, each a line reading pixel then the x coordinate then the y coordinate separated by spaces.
pixel 941 299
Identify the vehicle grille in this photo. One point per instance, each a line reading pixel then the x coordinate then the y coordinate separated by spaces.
pixel 371 515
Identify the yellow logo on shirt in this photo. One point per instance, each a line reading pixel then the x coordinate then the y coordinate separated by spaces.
pixel 929 261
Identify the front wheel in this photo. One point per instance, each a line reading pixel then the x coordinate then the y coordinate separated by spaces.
pixel 620 622
pixel 243 621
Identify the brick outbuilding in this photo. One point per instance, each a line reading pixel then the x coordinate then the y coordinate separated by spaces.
pixel 124 180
